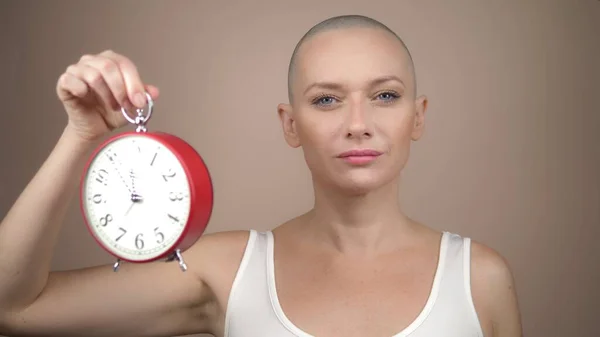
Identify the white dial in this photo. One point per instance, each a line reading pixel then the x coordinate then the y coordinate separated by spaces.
pixel 136 197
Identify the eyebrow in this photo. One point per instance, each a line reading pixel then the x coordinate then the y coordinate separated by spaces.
pixel 337 86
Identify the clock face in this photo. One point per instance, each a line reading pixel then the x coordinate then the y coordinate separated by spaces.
pixel 136 197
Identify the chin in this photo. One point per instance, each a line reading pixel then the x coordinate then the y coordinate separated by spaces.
pixel 361 182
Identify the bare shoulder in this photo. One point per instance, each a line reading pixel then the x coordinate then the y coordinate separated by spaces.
pixel 219 252
pixel 222 241
pixel 220 255
pixel 494 292
pixel 489 266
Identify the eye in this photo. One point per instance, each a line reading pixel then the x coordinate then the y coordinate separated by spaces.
pixel 388 96
pixel 324 100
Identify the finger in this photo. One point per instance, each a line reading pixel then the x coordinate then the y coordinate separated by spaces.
pixel 93 79
pixel 133 82
pixel 111 74
pixel 70 86
pixel 153 91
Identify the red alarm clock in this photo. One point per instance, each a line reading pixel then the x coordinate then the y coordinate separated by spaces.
pixel 146 196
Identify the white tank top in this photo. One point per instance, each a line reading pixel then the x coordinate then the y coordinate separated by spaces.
pixel 254 309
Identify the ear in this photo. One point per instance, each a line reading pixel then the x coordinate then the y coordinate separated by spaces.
pixel 288 124
pixel 420 109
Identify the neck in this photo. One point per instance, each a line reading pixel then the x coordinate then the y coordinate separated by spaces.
pixel 361 224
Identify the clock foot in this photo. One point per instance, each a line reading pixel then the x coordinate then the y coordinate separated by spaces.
pixel 117 265
pixel 177 256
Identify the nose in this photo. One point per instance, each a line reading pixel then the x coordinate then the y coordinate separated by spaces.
pixel 358 121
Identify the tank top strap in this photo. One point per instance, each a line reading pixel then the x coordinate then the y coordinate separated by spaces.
pixel 455 286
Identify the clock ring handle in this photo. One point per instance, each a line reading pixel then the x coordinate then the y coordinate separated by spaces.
pixel 140 119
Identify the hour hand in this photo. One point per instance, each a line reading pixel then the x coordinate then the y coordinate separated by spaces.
pixel 132 177
pixel 135 196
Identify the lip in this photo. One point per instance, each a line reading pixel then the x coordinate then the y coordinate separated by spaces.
pixel 359 156
pixel 360 153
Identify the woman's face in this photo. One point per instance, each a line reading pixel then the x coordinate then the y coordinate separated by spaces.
pixel 354 90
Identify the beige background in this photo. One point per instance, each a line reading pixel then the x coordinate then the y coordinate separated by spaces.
pixel 511 155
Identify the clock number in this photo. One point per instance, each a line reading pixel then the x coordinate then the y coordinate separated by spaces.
pixel 110 155
pixel 101 176
pixel 139 148
pixel 105 220
pixel 97 198
pixel 173 217
pixel 175 196
pixel 124 232
pixel 153 158
pixel 139 243
pixel 169 174
pixel 160 235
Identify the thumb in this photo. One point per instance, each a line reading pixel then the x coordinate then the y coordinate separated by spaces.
pixel 152 90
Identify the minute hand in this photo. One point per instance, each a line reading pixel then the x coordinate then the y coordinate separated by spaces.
pixel 116 167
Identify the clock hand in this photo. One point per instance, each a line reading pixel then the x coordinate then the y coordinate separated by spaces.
pixel 134 201
pixel 129 209
pixel 134 195
pixel 112 160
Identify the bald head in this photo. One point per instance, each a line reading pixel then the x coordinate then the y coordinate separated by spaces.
pixel 336 23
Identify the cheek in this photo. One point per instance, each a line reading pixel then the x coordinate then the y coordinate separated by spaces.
pixel 316 146
pixel 397 133
pixel 317 140
pixel 397 130
pixel 316 134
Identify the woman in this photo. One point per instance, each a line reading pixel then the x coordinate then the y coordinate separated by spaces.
pixel 353 265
